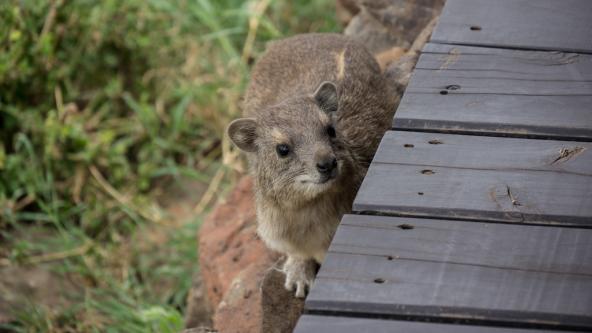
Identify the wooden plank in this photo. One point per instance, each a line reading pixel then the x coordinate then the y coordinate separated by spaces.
pixel 513 247
pixel 501 71
pixel 542 24
pixel 476 82
pixel 507 63
pixel 476 90
pixel 332 324
pixel 557 117
pixel 480 178
pixel 559 57
pixel 485 153
pixel 454 271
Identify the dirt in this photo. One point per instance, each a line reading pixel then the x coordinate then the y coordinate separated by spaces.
pixel 20 287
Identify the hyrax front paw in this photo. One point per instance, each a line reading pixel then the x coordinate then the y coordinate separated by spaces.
pixel 300 274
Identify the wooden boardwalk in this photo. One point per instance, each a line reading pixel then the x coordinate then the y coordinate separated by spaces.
pixel 476 213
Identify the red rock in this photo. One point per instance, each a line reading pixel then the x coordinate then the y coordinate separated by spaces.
pixel 240 310
pixel 233 261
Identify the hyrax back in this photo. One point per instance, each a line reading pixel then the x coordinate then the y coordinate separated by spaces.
pixel 298 65
pixel 315 110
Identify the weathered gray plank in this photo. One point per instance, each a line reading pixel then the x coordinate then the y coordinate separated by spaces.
pixel 514 247
pixel 486 153
pixel 480 178
pixel 502 71
pixel 332 324
pixel 507 63
pixel 453 271
pixel 559 56
pixel 560 117
pixel 530 197
pixel 542 24
pixel 477 82
pixel 476 90
pixel 428 82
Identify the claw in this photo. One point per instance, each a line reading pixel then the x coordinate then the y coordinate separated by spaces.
pixel 301 289
pixel 289 285
pixel 299 276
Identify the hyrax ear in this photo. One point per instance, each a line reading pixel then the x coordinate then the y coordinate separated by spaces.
pixel 243 133
pixel 326 96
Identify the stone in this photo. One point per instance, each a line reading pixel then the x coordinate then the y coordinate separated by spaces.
pixel 240 311
pixel 384 24
pixel 345 10
pixel 21 286
pixel 233 262
pixel 399 71
pixel 228 242
pixel 373 35
pixel 198 312
pixel 280 308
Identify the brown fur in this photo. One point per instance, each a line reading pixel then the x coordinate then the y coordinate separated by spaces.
pixel 297 213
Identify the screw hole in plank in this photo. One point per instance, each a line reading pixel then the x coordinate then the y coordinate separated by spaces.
pixel 378 280
pixel 435 142
pixel 475 28
pixel 427 172
pixel 408 145
pixel 405 226
pixel 419 193
pixel 443 92
pixel 453 87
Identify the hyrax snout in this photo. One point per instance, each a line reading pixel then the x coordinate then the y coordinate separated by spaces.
pixel 315 110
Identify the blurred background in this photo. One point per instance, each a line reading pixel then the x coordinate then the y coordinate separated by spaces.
pixel 112 116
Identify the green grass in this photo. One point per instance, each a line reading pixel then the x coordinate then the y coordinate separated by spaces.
pixel 105 106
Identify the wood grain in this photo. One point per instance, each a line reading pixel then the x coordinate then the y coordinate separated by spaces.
pixel 543 55
pixel 332 324
pixel 542 24
pixel 454 271
pixel 485 91
pixel 479 82
pixel 482 178
pixel 508 64
pixel 555 117
pixel 485 153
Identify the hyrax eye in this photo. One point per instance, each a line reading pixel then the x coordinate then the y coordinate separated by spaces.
pixel 282 150
pixel 331 131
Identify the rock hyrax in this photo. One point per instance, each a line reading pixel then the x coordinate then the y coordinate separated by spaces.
pixel 315 110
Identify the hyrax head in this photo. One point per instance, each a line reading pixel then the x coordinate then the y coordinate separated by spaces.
pixel 296 150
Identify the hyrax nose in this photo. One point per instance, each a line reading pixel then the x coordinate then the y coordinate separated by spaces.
pixel 327 165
